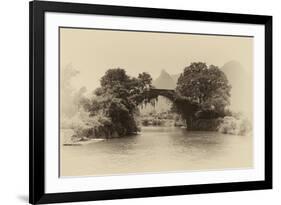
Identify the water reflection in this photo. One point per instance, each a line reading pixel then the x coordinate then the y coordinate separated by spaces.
pixel 158 149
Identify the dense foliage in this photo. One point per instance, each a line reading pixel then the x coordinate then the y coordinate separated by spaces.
pixel 115 101
pixel 203 91
pixel 201 97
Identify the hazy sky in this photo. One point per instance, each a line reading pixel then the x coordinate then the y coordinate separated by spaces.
pixel 92 52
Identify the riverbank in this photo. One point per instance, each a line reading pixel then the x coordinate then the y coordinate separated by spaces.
pixel 67 139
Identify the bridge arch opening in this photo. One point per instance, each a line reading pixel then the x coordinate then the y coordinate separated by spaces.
pixel 159 111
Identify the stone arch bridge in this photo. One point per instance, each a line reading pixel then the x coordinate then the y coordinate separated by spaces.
pixel 184 103
pixel 168 93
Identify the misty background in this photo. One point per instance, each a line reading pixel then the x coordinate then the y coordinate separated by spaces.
pixel 87 53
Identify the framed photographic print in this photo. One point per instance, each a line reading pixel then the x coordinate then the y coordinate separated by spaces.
pixel 141 102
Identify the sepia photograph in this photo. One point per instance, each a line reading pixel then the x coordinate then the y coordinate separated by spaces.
pixel 136 102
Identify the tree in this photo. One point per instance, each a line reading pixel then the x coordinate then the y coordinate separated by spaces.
pixel 204 89
pixel 117 100
pixel 114 77
pixel 145 80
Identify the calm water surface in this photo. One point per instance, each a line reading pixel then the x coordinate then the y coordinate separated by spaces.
pixel 158 149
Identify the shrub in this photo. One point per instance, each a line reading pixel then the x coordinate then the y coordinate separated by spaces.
pixel 204 124
pixel 235 126
pixel 145 122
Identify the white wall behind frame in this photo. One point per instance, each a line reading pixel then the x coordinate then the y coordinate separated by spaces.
pixel 14 103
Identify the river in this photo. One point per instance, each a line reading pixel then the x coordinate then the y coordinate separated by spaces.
pixel 158 149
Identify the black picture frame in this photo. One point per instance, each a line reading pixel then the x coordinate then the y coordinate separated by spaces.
pixel 37 194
